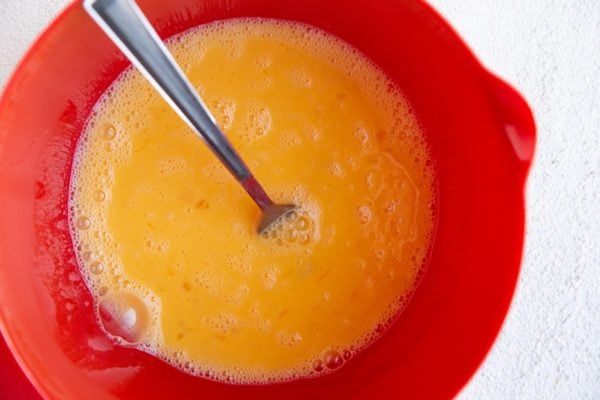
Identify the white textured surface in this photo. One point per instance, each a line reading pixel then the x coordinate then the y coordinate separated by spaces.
pixel 550 49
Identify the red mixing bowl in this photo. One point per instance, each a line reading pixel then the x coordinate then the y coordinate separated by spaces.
pixel 482 135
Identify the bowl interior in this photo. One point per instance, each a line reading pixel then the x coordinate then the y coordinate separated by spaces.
pixel 448 327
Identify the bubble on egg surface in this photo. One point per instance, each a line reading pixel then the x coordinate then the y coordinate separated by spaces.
pixel 333 359
pixel 83 223
pixel 109 132
pixel 124 315
pixel 99 195
pixel 97 268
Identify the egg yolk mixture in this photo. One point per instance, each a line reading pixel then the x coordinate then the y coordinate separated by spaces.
pixel 166 239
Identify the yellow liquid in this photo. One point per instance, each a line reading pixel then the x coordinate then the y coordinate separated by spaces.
pixel 166 239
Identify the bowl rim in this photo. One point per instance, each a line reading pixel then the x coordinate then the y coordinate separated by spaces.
pixel 70 8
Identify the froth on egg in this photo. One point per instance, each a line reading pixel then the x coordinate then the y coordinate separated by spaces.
pixel 376 196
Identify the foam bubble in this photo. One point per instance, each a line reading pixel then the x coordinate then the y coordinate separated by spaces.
pixel 172 165
pixel 99 196
pixel 364 213
pixel 289 339
pixel 299 77
pixel 317 365
pixel 298 227
pixel 333 359
pixel 270 277
pixel 83 223
pixel 124 315
pixel 223 323
pixel 109 132
pixel 336 170
pixel 97 268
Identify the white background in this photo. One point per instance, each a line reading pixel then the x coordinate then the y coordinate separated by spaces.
pixel 549 347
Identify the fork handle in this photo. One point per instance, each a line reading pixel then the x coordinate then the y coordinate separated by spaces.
pixel 128 28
